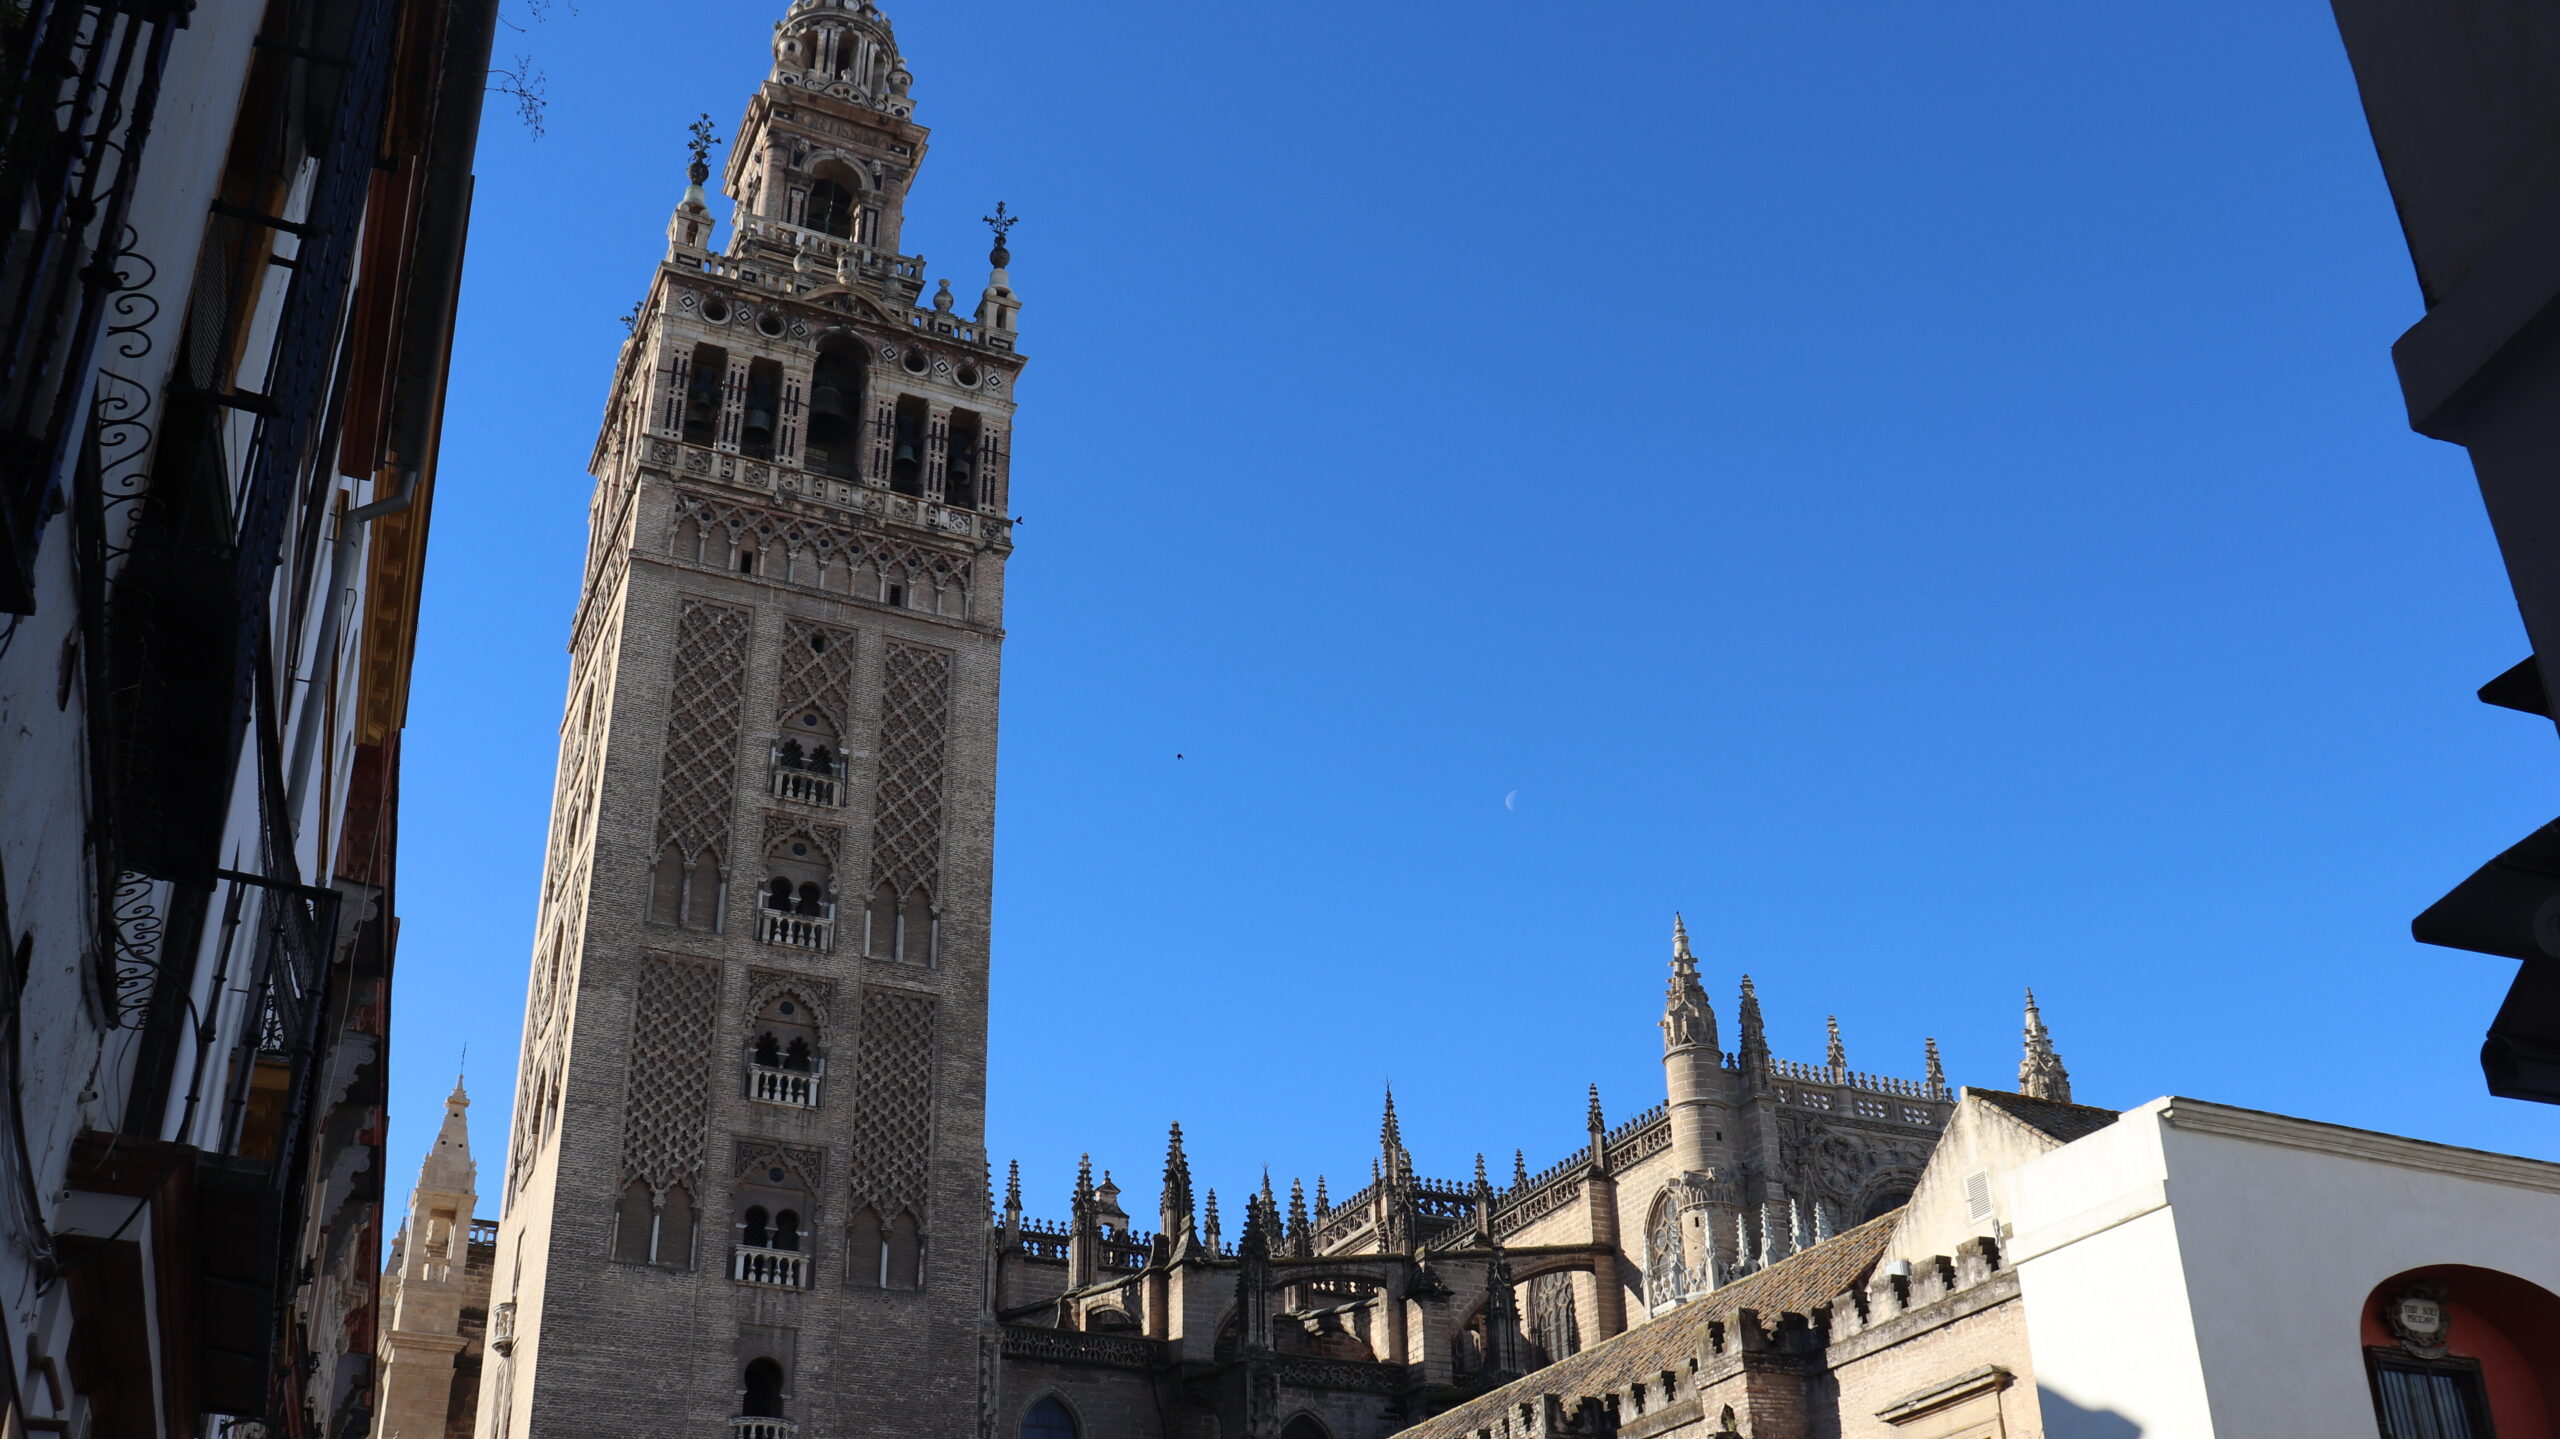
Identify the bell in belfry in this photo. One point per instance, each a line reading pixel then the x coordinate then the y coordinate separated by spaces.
pixel 758 430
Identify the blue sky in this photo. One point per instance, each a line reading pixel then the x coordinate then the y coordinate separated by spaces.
pixel 1920 489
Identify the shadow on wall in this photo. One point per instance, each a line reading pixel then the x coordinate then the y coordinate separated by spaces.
pixel 2066 1420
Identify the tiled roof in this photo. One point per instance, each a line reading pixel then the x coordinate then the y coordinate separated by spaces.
pixel 2063 1122
pixel 1797 1284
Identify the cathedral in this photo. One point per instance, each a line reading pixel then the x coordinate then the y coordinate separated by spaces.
pixel 745 1181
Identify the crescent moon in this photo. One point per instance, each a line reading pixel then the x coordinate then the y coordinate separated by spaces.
pixel 1508 798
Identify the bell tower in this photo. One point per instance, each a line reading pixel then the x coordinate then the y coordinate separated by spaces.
pixel 745 1189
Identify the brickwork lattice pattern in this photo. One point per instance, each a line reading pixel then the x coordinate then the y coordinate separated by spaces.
pixel 817 674
pixel 915 713
pixel 705 703
pixel 672 1013
pixel 893 1102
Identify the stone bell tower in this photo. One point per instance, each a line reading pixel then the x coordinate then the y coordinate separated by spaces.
pixel 745 1189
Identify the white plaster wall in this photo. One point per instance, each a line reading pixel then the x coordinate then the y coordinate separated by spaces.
pixel 2103 1281
pixel 2287 1228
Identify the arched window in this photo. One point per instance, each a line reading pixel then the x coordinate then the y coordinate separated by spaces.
pixel 1553 1325
pixel 906 457
pixel 666 887
pixel 633 1219
pixel 783 1065
pixel 2457 1352
pixel 960 485
pixel 675 1229
pixel 755 1230
pixel 703 886
pixel 915 929
pixel 796 1058
pixel 1048 1419
pixel 786 1229
pixel 882 918
pixel 704 391
pixel 763 1399
pixel 798 908
pixel 830 209
pixel 762 407
pixel 836 381
pixel 903 1267
pixel 769 1050
pixel 1305 1426
pixel 1666 1274
pixel 862 1249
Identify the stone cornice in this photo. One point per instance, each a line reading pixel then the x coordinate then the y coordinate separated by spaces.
pixel 1989 1379
pixel 2196 1116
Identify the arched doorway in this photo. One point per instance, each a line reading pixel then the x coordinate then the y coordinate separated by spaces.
pixel 2458 1352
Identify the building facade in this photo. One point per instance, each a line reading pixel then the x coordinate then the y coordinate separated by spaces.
pixel 226 301
pixel 1359 1317
pixel 746 1184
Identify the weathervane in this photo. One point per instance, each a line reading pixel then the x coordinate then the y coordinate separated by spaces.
pixel 1002 224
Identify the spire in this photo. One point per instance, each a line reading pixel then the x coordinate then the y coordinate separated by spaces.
pixel 1301 1239
pixel 1209 1222
pixel 1832 1053
pixel 1324 1206
pixel 1519 1169
pixel 1082 1203
pixel 1755 1039
pixel 1937 1073
pixel 1592 1119
pixel 1390 1133
pixel 1013 1186
pixel 2040 1071
pixel 1173 1209
pixel 1481 1186
pixel 1270 1206
pixel 1687 1018
pixel 448 1168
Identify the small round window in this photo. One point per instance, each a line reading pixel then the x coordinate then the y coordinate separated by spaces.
pixel 967 375
pixel 915 361
pixel 769 324
pixel 716 310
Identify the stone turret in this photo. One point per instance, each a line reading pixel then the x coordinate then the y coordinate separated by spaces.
pixel 1700 1111
pixel 435 1291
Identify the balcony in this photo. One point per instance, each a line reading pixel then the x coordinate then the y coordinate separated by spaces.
pixel 754 1426
pixel 772 1268
pixel 814 776
pixel 793 929
pixel 773 1084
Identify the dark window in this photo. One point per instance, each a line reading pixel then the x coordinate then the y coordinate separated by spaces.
pixel 1304 1426
pixel 906 461
pixel 763 403
pixel 786 1230
pixel 1048 1419
pixel 2417 1400
pixel 769 1050
pixel 756 1235
pixel 703 393
pixel 835 408
pixel 960 476
pixel 764 1390
pixel 830 209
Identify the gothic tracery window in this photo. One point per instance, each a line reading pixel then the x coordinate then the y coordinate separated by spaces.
pixel 1048 1419
pixel 1666 1276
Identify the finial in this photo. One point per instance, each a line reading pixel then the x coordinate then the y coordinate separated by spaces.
pixel 1002 224
pixel 1390 1133
pixel 1596 1122
pixel 1519 1169
pixel 1833 1054
pixel 1480 1179
pixel 1937 1073
pixel 942 298
pixel 2040 1071
pixel 1755 1037
pixel 1680 937
pixel 1013 1184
